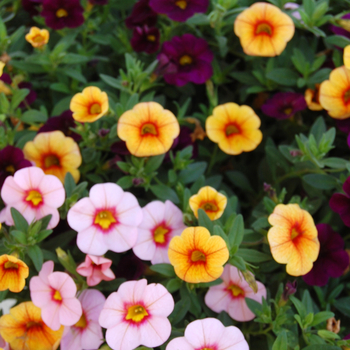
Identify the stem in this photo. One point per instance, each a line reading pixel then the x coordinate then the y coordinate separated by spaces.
pixel 212 159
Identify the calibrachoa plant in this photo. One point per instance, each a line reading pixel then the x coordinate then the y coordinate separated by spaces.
pixel 175 174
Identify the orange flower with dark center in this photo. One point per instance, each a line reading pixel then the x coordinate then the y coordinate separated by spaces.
pixel 13 273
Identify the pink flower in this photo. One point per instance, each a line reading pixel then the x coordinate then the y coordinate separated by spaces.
pixel 209 333
pixel 161 222
pixel 54 293
pixel 107 220
pixel 86 333
pixel 96 269
pixel 137 315
pixel 229 295
pixel 34 194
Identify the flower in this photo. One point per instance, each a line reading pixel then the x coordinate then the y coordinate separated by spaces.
pixel 141 15
pixel 62 13
pixel 148 129
pixel 96 269
pixel 38 37
pixel 11 160
pixel 24 329
pixel 210 200
pixel 130 267
pixel 89 105
pixel 107 220
pixel 235 128
pixel 179 10
pixel 340 203
pixel 293 6
pixel 54 293
pixel 2 66
pixel 185 59
pixel 33 194
pixel 289 289
pixel 263 30
pixel 145 39
pixel 293 238
pixel 312 98
pixel 137 315
pixel 346 57
pixel 55 154
pixel 284 105
pixel 339 30
pixel 86 333
pixel 161 222
pixel 13 273
pixel 335 93
pixel 230 295
pixel 208 334
pixel 196 256
pixel 31 6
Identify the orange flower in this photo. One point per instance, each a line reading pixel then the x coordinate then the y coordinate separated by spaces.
pixel 210 200
pixel 235 128
pixel 55 154
pixel 335 93
pixel 263 30
pixel 293 238
pixel 37 37
pixel 312 98
pixel 24 329
pixel 196 256
pixel 346 57
pixel 148 129
pixel 13 273
pixel 2 66
pixel 89 105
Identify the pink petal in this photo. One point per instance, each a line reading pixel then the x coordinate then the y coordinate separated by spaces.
pixel 29 178
pixel 154 214
pixel 71 340
pixel 155 331
pixel 70 311
pixel 217 298
pixel 128 210
pixel 11 192
pixel 239 310
pixel 84 270
pixel 123 337
pixel 160 256
pixel 45 210
pixel 232 339
pixel 179 343
pixel 173 216
pixel 92 302
pixel 81 215
pixel 100 260
pixel 92 337
pixel 158 300
pixel 145 246
pixel 40 292
pixel 120 239
pixel 92 241
pixel 108 275
pixel 94 279
pixel 5 217
pixel 50 315
pixel 46 270
pixel 52 191
pixel 113 311
pixel 106 195
pixel 62 282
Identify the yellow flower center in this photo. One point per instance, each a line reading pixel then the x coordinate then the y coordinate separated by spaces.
pixel 149 128
pixel 231 129
pixel 35 197
pixel 57 295
pixel 51 160
pixel 185 60
pixel 263 28
pixel 10 265
pixel 136 313
pixel 10 169
pixel 235 290
pixel 198 256
pixel 209 206
pixel 82 323
pixel 151 38
pixel 61 13
pixel 159 234
pixel 95 109
pixel 294 234
pixel 288 110
pixel 105 219
pixel 182 4
pixel 38 39
pixel 347 96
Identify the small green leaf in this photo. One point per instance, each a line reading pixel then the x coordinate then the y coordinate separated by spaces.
pixel 204 221
pixel 153 163
pixel 321 181
pixel 255 307
pixel 164 269
pixel 180 310
pixel 163 192
pixel 19 236
pixel 236 232
pixel 173 285
pixel 36 256
pixel 20 222
pixel 281 342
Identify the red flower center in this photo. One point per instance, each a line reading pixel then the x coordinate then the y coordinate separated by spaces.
pixel 51 160
pixel 209 207
pixel 346 96
pixel 236 291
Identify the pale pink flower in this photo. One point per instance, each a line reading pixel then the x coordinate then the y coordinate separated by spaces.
pixel 96 269
pixel 106 220
pixel 54 293
pixel 137 315
pixel 209 333
pixel 86 333
pixel 229 295
pixel 34 194
pixel 161 222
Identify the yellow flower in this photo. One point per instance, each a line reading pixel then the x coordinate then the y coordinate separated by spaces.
pixel 89 105
pixel 2 66
pixel 312 98
pixel 263 30
pixel 55 154
pixel 148 129
pixel 293 238
pixel 346 57
pixel 13 273
pixel 196 256
pixel 335 93
pixel 38 37
pixel 210 200
pixel 235 128
pixel 24 329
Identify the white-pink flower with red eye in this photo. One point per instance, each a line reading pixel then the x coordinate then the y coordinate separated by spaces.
pixel 34 194
pixel 161 222
pixel 106 220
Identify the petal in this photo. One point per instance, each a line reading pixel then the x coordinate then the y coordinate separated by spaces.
pixel 81 215
pixel 70 311
pixel 92 241
pixel 120 238
pixel 128 210
pixel 179 343
pixel 50 315
pixel 106 195
pixel 232 339
pixel 92 337
pixel 155 331
pixel 123 337
pixel 52 191
pixel 158 300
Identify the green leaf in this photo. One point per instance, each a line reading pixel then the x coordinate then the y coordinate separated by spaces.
pixel 36 256
pixel 343 305
pixel 255 307
pixel 318 128
pixel 173 285
pixel 322 347
pixel 239 180
pixel 113 82
pixel 180 310
pixel 337 40
pixel 204 221
pixel 43 234
pixel 321 181
pixel 33 116
pixel 238 262
pixel 335 163
pixel 323 333
pixel 192 172
pixel 320 317
pixel 153 163
pixel 18 96
pixel 281 342
pixel 320 76
pixel 74 74
pixel 20 222
pixel 236 232
pixel 218 231
pixel 253 256
pixel 283 76
pixel 125 182
pixel 299 306
pixel 164 269
pixel 163 192
pixel 69 184
pixel 19 236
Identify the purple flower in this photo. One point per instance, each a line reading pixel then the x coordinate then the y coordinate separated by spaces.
pixel 340 203
pixel 344 126
pixel 141 15
pixel 339 30
pixel 289 289
pixel 284 105
pixel 332 260
pixel 11 160
pixel 31 6
pixel 62 13
pixel 185 59
pixel 145 39
pixel 179 10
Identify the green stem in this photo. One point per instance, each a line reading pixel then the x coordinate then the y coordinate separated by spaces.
pixel 212 159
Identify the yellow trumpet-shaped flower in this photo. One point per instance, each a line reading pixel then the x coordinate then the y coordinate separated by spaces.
pixel 38 37
pixel 13 273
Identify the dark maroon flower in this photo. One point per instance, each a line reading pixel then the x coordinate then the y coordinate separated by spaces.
pixel 289 289
pixel 98 2
pixel 332 260
pixel 185 59
pixel 63 123
pixel 11 160
pixel 284 105
pixel 130 267
pixel 141 15
pixel 344 126
pixel 145 39
pixel 179 10
pixel 62 13
pixel 32 6
pixel 182 141
pixel 340 203
pixel 339 30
